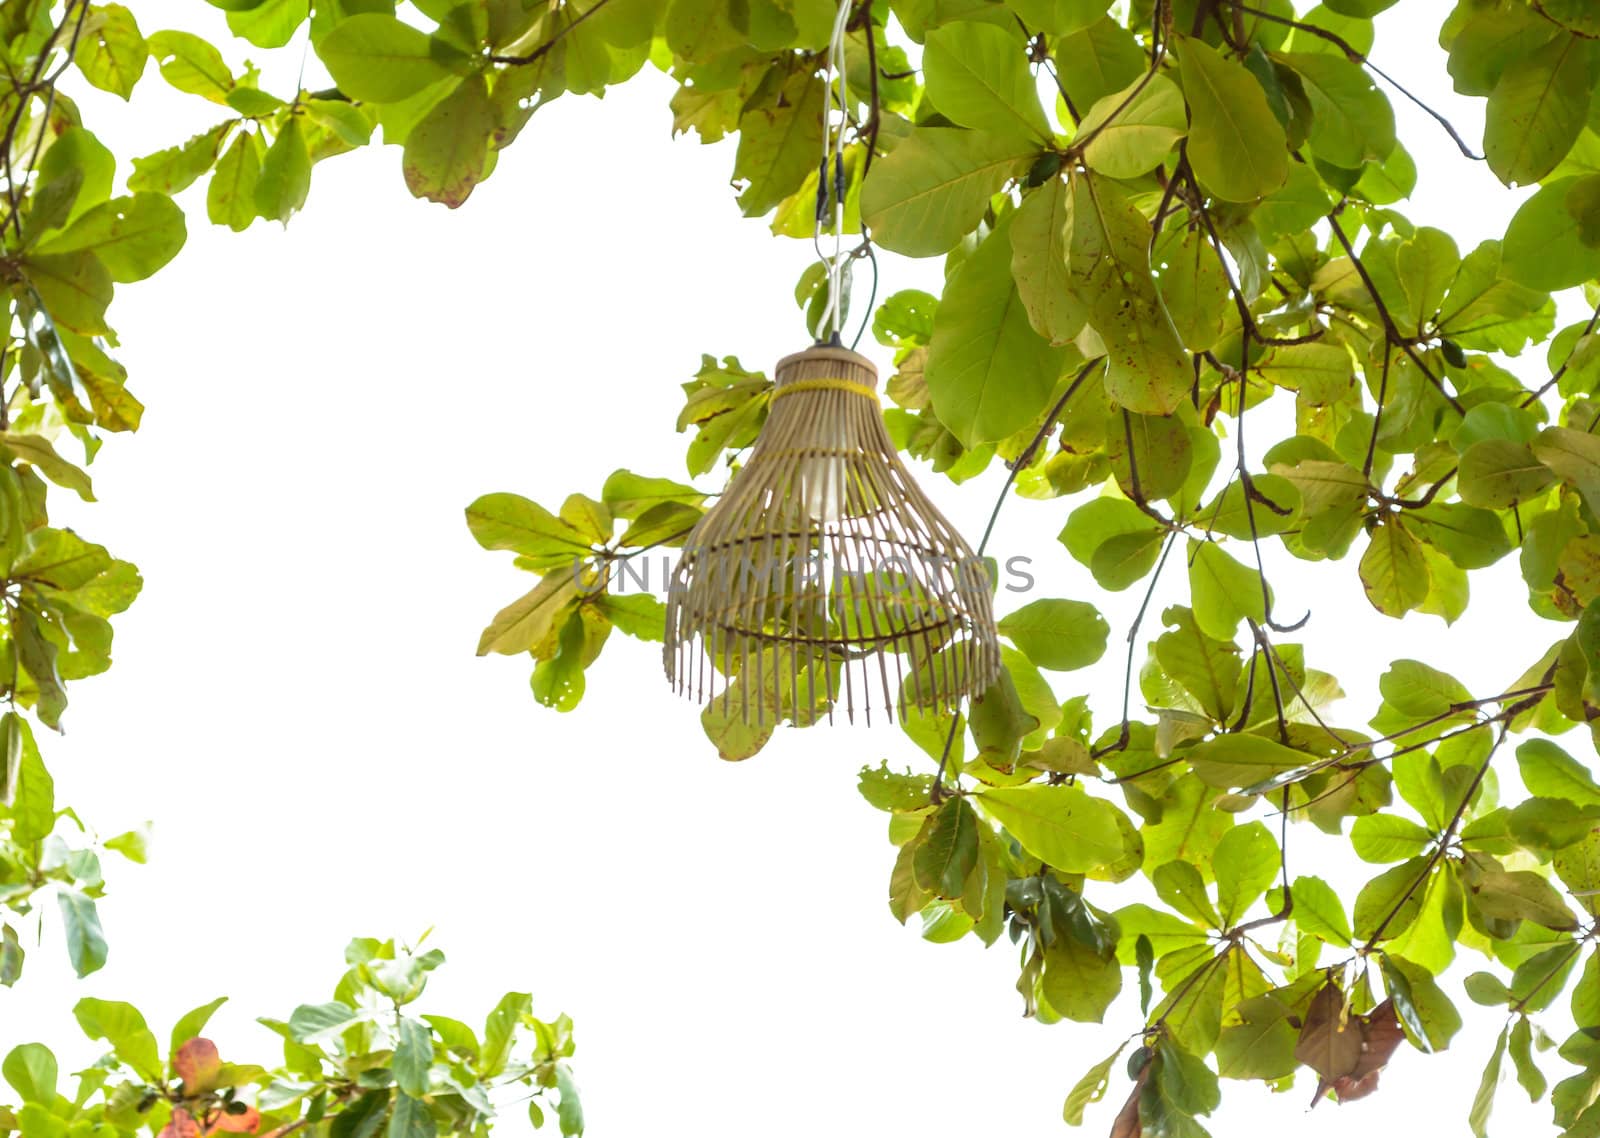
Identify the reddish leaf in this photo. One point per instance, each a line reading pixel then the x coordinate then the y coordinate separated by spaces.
pixel 198 1065
pixel 1330 1042
pixel 1128 1124
pixel 1381 1034
pixel 181 1125
pixel 1347 1051
pixel 245 1123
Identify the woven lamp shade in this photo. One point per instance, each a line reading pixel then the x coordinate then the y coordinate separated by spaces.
pixel 824 578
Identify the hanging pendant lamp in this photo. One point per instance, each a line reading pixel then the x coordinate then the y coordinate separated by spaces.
pixel 823 577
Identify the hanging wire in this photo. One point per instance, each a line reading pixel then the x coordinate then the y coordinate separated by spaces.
pixel 830 198
pixel 872 296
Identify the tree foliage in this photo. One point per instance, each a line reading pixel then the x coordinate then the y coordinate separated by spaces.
pixel 1156 218
pixel 361 1063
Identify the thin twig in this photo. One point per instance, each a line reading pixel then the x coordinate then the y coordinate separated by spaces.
pixel 545 48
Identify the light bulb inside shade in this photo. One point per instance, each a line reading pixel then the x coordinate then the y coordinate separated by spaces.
pixel 822 487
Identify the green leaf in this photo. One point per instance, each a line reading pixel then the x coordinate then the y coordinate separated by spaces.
pixel 1097 60
pixel 1420 1002
pixel 1536 110
pixel 178 167
pixel 1321 373
pixel 1089 1089
pixel 1193 287
pixel 1060 825
pixel 110 51
pixel 1390 902
pixel 734 738
pixel 998 720
pixel 1544 247
pixel 779 139
pixel 1223 591
pixel 231 195
pixel 1394 569
pixel 1241 760
pixel 11 761
pixel 1319 911
pixel 33 809
pixel 638 615
pixel 77 154
pixel 1058 17
pixel 285 174
pixel 132 236
pixel 1470 537
pixel 933 188
pixel 1078 982
pixel 192 65
pixel 1574 456
pixel 86 944
pixel 38 656
pixel 1419 692
pixel 1483 1101
pixel 977 75
pixel 1207 668
pixel 1259 1048
pixel 1528 1073
pixel 988 372
pixel 1521 895
pixel 1058 634
pixel 1425 263
pixel 1236 145
pixel 948 851
pixel 132 844
pixel 1151 455
pixel 887 790
pixel 1108 261
pixel 1384 838
pixel 310 1023
pixel 413 1056
pixel 1128 140
pixel 1184 1081
pixel 512 522
pixel 375 57
pixel 499 1031
pixel 1180 885
pixel 192 1023
pixel 121 1025
pixel 30 1068
pixel 630 495
pixel 1039 264
pixel 1498 474
pixel 1352 121
pixel 37 452
pixel 447 152
pixel 75 289
pixel 362 1118
pixel 1549 771
pixel 409 1118
pixel 271 23
pixel 1245 864
pixel 569 1111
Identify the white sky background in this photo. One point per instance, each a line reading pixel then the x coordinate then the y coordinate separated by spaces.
pixel 296 702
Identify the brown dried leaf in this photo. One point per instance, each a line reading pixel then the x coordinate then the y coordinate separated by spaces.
pixel 1330 1043
pixel 1127 1124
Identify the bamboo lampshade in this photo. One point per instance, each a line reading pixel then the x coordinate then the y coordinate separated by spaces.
pixel 823 577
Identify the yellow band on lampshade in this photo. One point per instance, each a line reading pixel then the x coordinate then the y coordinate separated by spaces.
pixel 831 383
